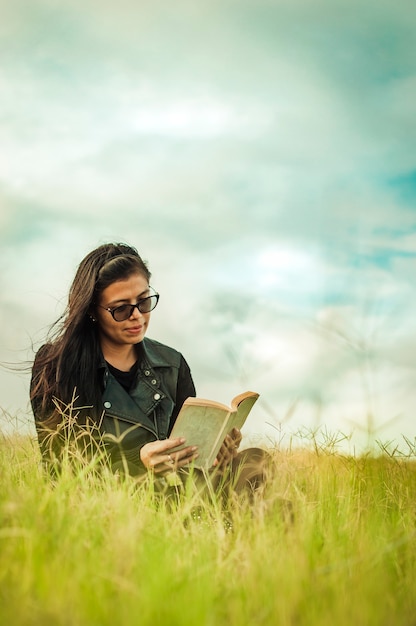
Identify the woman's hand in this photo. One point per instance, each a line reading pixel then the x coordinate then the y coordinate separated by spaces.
pixel 229 449
pixel 156 455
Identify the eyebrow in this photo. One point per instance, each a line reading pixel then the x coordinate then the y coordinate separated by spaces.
pixel 127 300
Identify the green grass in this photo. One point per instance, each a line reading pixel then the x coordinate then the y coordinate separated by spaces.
pixel 89 551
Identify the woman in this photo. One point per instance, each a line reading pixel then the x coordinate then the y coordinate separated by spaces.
pixel 103 382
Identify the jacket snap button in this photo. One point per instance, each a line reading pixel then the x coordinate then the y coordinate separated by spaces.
pixel 154 381
pixel 107 405
pixel 146 373
pixel 157 396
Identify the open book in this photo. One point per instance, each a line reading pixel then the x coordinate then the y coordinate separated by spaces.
pixel 205 423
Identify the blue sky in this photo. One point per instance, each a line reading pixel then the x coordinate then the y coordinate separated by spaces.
pixel 260 155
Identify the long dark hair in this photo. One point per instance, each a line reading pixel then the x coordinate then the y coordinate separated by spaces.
pixel 66 368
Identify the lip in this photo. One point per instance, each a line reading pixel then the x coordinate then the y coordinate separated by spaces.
pixel 134 330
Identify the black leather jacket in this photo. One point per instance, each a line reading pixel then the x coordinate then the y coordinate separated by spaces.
pixel 148 411
pixel 130 419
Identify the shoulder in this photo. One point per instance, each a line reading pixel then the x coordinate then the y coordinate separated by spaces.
pixel 44 349
pixel 45 359
pixel 42 354
pixel 160 354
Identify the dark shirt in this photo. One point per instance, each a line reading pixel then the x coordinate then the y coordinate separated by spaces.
pixel 125 379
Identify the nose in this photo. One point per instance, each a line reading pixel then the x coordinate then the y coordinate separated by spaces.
pixel 136 313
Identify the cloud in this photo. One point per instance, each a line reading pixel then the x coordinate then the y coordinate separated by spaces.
pixel 261 157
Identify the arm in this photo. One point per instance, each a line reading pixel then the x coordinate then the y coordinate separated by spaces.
pixel 156 455
pixel 51 443
pixel 46 419
pixel 185 388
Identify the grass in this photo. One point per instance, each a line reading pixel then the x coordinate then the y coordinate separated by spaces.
pixel 100 551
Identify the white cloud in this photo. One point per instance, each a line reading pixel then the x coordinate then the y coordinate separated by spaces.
pixel 248 151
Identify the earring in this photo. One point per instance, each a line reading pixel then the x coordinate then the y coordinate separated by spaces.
pixel 92 318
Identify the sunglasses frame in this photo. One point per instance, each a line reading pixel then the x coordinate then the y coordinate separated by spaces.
pixel 112 310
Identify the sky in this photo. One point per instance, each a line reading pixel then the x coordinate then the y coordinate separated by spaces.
pixel 261 156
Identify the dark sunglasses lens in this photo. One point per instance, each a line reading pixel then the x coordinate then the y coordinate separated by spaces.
pixel 148 304
pixel 122 312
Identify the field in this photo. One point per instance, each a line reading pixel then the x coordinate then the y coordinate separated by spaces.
pixel 103 551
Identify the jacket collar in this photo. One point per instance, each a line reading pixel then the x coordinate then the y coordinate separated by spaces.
pixel 150 354
pixel 153 355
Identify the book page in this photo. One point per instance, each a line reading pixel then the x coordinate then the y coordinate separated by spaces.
pixel 202 426
pixel 243 409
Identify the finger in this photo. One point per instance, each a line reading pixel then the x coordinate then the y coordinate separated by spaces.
pixel 230 447
pixel 237 440
pixel 236 436
pixel 186 454
pixel 231 442
pixel 178 459
pixel 165 445
pixel 165 464
pixel 187 460
pixel 222 452
pixel 166 468
pixel 223 457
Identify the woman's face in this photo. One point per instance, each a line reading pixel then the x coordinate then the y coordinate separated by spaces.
pixel 132 330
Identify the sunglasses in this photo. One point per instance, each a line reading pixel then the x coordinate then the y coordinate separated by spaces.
pixel 124 311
